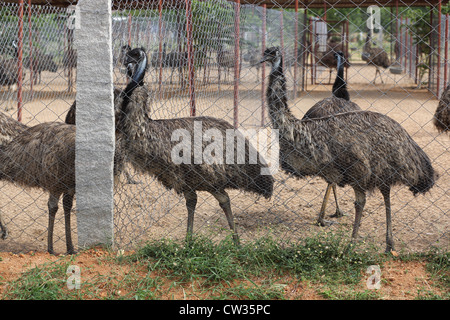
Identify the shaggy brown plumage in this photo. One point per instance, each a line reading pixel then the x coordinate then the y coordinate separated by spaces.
pixel 362 149
pixel 43 157
pixel 327 59
pixel 441 119
pixel 9 128
pixel 149 147
pixel 40 62
pixel 338 103
pixel 119 156
pixel 375 56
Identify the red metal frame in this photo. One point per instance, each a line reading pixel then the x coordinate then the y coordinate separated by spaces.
pixel 20 65
pixel 438 80
pixel 31 47
pixel 282 37
pixel 446 51
pixel 295 50
pixel 160 48
pixel 236 62
pixel 263 67
pixel 190 50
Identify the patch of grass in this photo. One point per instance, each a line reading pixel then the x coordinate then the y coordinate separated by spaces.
pixel 336 293
pixel 47 282
pixel 438 265
pixel 261 269
pixel 327 257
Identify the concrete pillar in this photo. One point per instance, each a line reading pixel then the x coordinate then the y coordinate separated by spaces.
pixel 95 124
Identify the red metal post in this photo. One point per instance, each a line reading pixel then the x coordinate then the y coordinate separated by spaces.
pixel 446 51
pixel 282 36
pixel 20 65
pixel 295 49
pixel 410 54
pixel 160 48
pixel 129 29
pixel 438 80
pixel 263 67
pixel 190 50
pixel 313 51
pixel 237 12
pixel 400 49
pixel 405 39
pixel 31 47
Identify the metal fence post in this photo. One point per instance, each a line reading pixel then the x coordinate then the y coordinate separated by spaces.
pixel 95 141
pixel 237 35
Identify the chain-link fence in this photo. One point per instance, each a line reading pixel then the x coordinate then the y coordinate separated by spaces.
pixel 225 80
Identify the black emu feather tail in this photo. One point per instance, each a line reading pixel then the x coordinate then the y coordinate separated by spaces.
pixel 427 177
pixel 263 185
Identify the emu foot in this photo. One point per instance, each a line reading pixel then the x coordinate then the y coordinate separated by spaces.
pixel 132 181
pixel 338 214
pixel 325 223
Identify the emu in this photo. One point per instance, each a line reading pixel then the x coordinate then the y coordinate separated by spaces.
pixel 328 60
pixel 149 145
pixel 71 119
pixel 174 60
pixel 225 60
pixel 376 57
pixel 441 118
pixel 43 156
pixel 253 60
pixel 40 62
pixel 69 59
pixel 9 128
pixel 9 71
pixel 365 150
pixel 328 108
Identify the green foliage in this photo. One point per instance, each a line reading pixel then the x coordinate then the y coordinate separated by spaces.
pixel 325 257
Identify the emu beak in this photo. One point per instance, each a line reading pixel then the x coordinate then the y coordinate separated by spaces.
pixel 263 60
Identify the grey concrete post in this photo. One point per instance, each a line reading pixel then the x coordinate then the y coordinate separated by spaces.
pixel 95 124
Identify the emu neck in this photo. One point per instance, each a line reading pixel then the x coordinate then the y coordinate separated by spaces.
pixel 277 96
pixel 134 118
pixel 340 86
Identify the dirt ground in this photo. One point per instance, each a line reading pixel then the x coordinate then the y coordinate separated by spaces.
pixel 400 280
pixel 146 210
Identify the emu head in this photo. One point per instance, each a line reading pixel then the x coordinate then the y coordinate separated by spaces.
pixel 272 55
pixel 136 63
pixel 339 56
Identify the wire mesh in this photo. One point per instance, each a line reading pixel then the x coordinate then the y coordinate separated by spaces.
pixel 414 38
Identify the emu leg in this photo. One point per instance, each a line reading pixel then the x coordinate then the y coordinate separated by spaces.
pixel 52 209
pixel 225 204
pixel 191 202
pixel 67 205
pixel 171 76
pixel 386 192
pixel 360 202
pixel 339 213
pixel 320 220
pixel 3 229
pixel 129 178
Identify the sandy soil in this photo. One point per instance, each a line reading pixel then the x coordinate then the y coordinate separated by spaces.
pixel 147 210
pixel 400 280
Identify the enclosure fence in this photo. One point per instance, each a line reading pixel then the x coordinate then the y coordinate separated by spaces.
pixel 204 60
